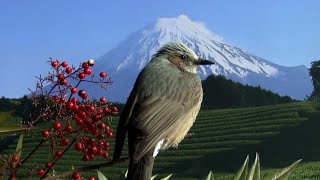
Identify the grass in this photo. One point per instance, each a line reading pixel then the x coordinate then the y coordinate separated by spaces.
pixel 222 138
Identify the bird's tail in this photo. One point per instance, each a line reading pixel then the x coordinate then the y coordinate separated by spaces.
pixel 142 169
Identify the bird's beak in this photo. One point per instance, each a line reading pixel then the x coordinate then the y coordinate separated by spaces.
pixel 203 62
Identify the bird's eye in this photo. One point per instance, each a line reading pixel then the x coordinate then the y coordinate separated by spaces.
pixel 183 56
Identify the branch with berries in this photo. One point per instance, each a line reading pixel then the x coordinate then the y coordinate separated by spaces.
pixel 74 119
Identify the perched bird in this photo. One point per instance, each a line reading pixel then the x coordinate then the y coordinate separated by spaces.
pixel 161 108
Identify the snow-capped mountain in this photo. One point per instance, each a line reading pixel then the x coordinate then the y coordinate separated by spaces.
pixel 124 62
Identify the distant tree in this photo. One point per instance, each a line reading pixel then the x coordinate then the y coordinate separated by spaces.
pixel 314 72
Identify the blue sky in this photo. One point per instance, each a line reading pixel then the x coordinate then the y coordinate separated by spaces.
pixel 285 32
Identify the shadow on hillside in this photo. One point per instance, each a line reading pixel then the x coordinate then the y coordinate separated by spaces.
pixel 291 144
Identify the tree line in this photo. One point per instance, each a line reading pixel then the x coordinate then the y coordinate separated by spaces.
pixel 220 92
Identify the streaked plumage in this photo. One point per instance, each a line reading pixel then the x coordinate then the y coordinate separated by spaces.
pixel 163 105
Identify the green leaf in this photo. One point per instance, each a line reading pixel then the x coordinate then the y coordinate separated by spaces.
pixel 101 176
pixel 53 172
pixel 254 173
pixel 19 146
pixel 166 178
pixel 123 175
pixel 210 176
pixel 153 177
pixel 11 129
pixel 243 171
pixel 284 173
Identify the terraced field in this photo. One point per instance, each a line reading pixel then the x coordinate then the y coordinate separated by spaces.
pixel 220 141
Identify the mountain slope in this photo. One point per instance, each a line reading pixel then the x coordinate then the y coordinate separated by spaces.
pixel 124 62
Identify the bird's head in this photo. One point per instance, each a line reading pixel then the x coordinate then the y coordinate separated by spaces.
pixel 181 56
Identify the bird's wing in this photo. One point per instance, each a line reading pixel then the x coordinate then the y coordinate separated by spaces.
pixel 160 107
pixel 123 124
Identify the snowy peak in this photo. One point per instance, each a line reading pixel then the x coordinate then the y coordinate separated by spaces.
pixel 178 27
pixel 125 61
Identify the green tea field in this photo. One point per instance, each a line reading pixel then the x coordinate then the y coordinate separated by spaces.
pixel 220 140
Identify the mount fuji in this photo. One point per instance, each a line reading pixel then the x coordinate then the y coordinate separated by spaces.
pixel 124 62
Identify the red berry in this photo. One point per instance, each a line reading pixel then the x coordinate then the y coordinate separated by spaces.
pixel 105 155
pixel 74 100
pixel 61 77
pixel 40 172
pixel 91 108
pixel 48 164
pixel 58 153
pixel 68 70
pixel 79 122
pixel 81 75
pixel 85 157
pixel 57 125
pixel 96 117
pixel 56 98
pixel 106 110
pixel 103 74
pixel 12 178
pixel 73 90
pixel 62 99
pixel 76 108
pixel 101 125
pixel 54 64
pixel 76 176
pixel 107 128
pixel 109 134
pixel 85 96
pixel 45 133
pixel 100 144
pixel 100 136
pixel 91 156
pixel 78 146
pixel 106 145
pixel 88 71
pixel 86 129
pixel 85 64
pixel 84 139
pixel 93 150
pixel 82 94
pixel 114 109
pixel 60 135
pixel 94 132
pixel 103 100
pixel 100 111
pixel 69 105
pixel 90 141
pixel 14 158
pixel 100 152
pixel 65 142
pixel 81 114
pixel 63 82
pixel 92 178
pixel 64 64
pixel 68 128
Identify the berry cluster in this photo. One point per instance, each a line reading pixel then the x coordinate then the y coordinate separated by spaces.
pixel 76 120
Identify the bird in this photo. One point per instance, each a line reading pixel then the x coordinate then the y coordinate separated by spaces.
pixel 161 108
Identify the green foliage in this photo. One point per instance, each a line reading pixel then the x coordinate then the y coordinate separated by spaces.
pixel 19 146
pixel 210 176
pixel 314 72
pixel 220 92
pixel 254 172
pixel 280 133
pixel 101 176
pixel 12 129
